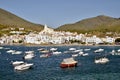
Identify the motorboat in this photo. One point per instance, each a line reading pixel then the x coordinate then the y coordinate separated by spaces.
pixel 101 60
pixel 23 66
pixel 81 53
pixel 53 49
pixel 29 56
pixel 1 47
pixel 10 51
pixel 16 63
pixel 45 55
pixel 17 52
pixel 77 51
pixel 87 49
pixel 68 62
pixel 72 49
pixel 99 50
pixel 74 55
pixel 56 53
pixel 29 52
pixel 85 54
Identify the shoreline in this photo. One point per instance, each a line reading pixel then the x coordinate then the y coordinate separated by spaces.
pixel 35 45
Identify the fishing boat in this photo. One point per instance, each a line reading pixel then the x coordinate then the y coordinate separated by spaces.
pixel 68 62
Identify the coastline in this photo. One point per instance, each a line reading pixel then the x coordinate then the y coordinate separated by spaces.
pixel 30 45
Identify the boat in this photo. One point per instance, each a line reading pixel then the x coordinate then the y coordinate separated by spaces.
pixel 44 51
pixel 29 56
pixel 45 55
pixel 10 51
pixel 74 55
pixel 17 52
pixel 101 60
pixel 1 47
pixel 87 49
pixel 56 53
pixel 72 49
pixel 24 66
pixel 99 50
pixel 81 53
pixel 16 63
pixel 53 49
pixel 85 54
pixel 76 51
pixel 113 52
pixel 29 52
pixel 68 62
pixel 118 50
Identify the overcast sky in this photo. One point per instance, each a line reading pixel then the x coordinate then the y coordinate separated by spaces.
pixel 58 12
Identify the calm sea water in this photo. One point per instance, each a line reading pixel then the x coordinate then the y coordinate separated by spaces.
pixel 49 68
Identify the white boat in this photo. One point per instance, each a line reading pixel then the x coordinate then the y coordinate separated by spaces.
pixel 101 60
pixel 16 63
pixel 10 51
pixel 81 53
pixel 40 49
pixel 74 55
pixel 17 52
pixel 99 50
pixel 113 52
pixel 77 51
pixel 87 49
pixel 56 53
pixel 44 51
pixel 45 55
pixel 23 66
pixel 85 54
pixel 29 56
pixel 118 50
pixel 72 49
pixel 1 47
pixel 29 52
pixel 53 49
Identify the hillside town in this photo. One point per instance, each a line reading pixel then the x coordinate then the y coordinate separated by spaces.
pixel 49 36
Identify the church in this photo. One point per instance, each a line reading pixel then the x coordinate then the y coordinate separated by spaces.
pixel 47 30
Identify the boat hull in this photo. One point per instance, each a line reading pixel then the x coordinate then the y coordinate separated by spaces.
pixel 63 65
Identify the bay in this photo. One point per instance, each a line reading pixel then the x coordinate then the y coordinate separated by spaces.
pixel 49 68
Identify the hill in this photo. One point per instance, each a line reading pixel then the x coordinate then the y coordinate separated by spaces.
pixel 9 20
pixel 99 24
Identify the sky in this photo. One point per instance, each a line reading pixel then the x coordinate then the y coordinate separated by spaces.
pixel 55 13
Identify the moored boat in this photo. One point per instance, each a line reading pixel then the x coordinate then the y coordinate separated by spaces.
pixel 101 60
pixel 29 56
pixel 23 66
pixel 68 62
pixel 99 50
pixel 16 63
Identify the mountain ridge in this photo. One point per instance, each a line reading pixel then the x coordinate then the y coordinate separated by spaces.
pixel 11 20
pixel 98 23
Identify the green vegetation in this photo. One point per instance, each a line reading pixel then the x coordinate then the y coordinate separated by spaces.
pixel 9 20
pixel 97 25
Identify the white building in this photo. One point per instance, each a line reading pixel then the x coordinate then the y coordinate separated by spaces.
pixel 46 30
pixel 93 39
pixel 109 40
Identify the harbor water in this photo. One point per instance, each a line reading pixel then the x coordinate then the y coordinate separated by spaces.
pixel 48 68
